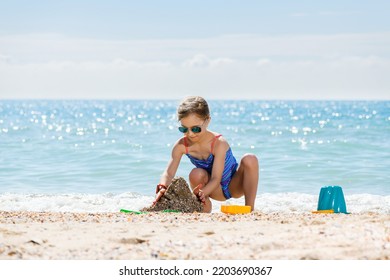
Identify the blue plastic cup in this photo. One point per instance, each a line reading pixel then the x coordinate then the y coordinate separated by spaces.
pixel 332 198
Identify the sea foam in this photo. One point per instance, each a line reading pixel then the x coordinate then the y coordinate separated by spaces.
pixel 108 202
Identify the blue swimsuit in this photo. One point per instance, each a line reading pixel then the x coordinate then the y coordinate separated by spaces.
pixel 207 164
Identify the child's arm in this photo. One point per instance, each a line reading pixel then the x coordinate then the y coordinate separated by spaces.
pixel 170 170
pixel 173 164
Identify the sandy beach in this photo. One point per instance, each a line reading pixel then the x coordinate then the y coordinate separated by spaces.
pixel 157 236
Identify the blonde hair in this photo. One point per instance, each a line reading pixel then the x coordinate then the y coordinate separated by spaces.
pixel 193 105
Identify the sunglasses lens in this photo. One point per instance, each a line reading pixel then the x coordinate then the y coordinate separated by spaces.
pixel 196 129
pixel 183 129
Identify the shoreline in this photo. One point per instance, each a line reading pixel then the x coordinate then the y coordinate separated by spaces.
pixel 195 236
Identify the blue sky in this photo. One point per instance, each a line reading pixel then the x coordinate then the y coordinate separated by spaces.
pixel 218 49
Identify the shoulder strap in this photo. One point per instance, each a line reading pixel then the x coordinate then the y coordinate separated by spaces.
pixel 185 144
pixel 212 144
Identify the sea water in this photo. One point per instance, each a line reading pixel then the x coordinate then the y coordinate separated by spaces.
pixel 103 155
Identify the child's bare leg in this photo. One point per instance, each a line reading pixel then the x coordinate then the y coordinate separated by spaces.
pixel 246 179
pixel 200 176
pixel 251 179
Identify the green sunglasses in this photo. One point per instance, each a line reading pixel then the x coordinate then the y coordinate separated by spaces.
pixel 194 129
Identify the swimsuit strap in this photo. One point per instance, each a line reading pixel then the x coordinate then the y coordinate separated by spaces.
pixel 215 139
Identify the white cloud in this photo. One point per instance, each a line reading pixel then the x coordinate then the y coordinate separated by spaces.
pixel 263 62
pixel 246 66
pixel 4 58
pixel 40 48
pixel 223 61
pixel 201 60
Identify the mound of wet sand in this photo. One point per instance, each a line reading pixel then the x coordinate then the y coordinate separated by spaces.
pixel 179 197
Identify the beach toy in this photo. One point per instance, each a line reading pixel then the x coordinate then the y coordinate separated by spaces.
pixel 235 209
pixel 144 212
pixel 132 212
pixel 330 211
pixel 331 198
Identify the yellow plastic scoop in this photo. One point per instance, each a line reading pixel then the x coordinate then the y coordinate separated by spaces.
pixel 329 211
pixel 235 209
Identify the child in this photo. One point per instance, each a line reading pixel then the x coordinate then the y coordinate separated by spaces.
pixel 216 174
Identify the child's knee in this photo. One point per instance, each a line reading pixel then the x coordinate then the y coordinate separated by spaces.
pixel 250 160
pixel 198 176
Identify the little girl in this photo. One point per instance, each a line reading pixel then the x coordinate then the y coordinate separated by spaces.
pixel 217 174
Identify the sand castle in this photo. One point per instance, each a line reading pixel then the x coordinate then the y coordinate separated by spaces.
pixel 178 196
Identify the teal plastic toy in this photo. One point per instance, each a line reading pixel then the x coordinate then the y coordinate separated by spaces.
pixel 332 198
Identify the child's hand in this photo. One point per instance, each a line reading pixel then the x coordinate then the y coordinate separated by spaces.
pixel 160 190
pixel 199 193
